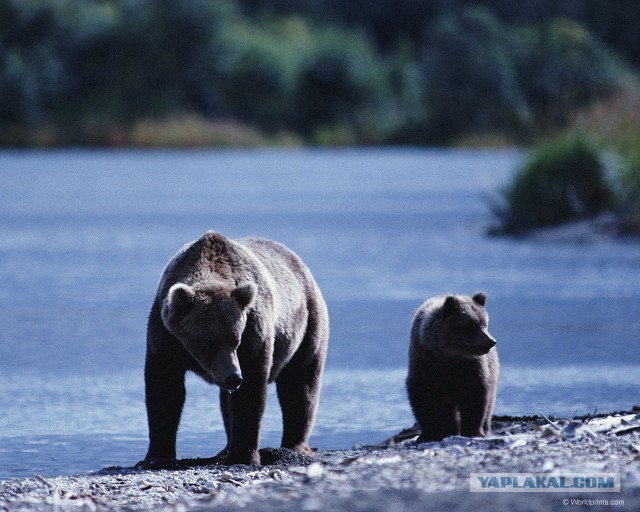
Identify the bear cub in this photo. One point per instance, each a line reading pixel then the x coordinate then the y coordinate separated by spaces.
pixel 453 367
pixel 240 314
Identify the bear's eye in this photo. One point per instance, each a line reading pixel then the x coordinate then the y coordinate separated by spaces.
pixel 470 325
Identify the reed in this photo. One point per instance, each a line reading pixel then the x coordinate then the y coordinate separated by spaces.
pixel 614 122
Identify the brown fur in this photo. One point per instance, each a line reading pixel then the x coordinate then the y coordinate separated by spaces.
pixel 453 367
pixel 239 313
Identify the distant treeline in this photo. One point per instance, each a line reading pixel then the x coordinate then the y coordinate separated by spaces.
pixel 366 72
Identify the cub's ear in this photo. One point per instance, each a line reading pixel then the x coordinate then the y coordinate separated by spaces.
pixel 179 301
pixel 480 298
pixel 450 305
pixel 245 294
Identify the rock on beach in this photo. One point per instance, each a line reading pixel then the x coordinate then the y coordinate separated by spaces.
pixel 398 474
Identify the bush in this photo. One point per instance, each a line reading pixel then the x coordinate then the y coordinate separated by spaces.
pixel 561 182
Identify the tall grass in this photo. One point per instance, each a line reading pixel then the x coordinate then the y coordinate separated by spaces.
pixel 615 124
pixel 189 131
pixel 180 131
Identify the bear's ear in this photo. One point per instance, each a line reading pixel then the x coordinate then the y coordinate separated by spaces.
pixel 450 305
pixel 245 294
pixel 480 298
pixel 179 301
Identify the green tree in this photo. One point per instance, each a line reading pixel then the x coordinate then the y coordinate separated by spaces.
pixel 562 67
pixel 149 57
pixel 284 73
pixel 32 70
pixel 470 76
pixel 340 81
pixel 258 65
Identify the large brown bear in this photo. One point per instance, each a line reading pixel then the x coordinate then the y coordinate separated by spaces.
pixel 241 314
pixel 453 367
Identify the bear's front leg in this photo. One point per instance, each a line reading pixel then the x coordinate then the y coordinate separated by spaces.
pixel 432 407
pixel 473 415
pixel 437 420
pixel 165 395
pixel 245 408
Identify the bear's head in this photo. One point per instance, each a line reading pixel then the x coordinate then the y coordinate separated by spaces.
pixel 463 325
pixel 209 322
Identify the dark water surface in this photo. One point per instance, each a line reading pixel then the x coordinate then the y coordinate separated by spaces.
pixel 84 236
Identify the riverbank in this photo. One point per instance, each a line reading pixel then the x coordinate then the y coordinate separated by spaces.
pixel 589 231
pixel 396 475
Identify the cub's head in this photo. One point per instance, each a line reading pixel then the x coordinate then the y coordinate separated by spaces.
pixel 464 325
pixel 209 322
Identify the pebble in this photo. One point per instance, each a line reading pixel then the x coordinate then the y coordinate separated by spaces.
pixel 402 476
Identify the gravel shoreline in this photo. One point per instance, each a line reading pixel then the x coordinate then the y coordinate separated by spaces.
pixel 396 475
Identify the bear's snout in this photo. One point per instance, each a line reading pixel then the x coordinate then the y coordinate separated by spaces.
pixel 232 381
pixel 484 343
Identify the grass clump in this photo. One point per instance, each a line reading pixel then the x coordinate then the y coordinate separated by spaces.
pixel 562 181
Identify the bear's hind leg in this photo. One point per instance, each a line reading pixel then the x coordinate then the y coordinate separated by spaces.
pixel 298 387
pixel 298 393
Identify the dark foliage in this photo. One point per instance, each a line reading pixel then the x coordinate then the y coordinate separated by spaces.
pixel 561 182
pixel 362 72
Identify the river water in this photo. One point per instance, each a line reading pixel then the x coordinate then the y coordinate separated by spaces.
pixel 84 236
